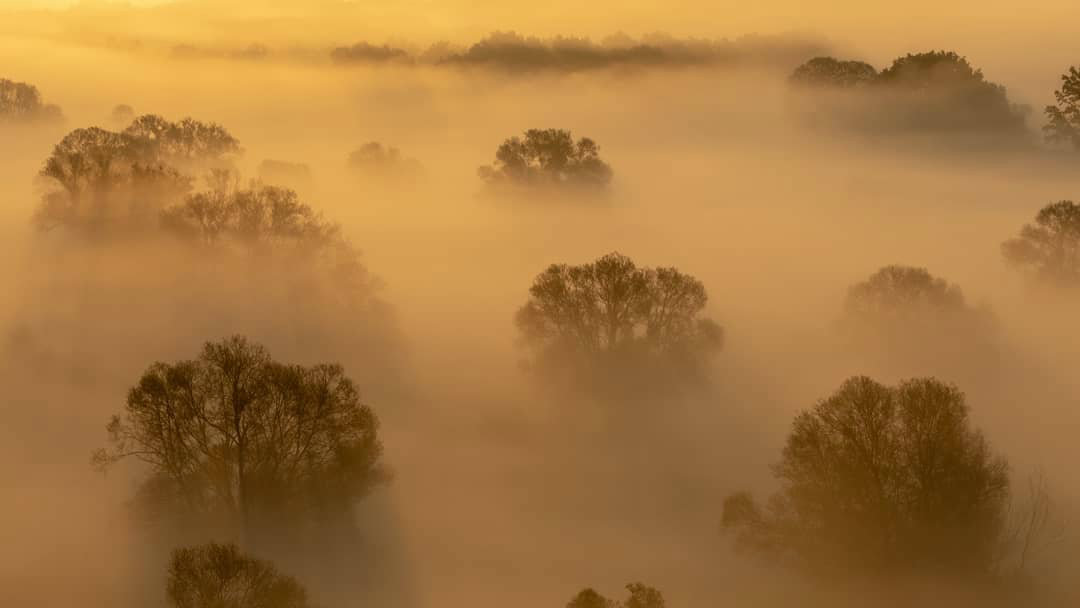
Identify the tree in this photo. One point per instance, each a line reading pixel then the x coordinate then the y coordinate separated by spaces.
pixel 102 179
pixel 548 157
pixel 830 72
pixel 236 435
pixel 221 576
pixel 941 90
pixel 881 480
pixel 901 292
pixel 188 145
pixel 22 103
pixel 641 596
pixel 1050 247
pixel 1063 126
pixel 611 307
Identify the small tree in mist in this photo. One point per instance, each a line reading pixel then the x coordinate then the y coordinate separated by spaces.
pixel 830 72
pixel 376 160
pixel 235 436
pixel 1049 248
pixel 641 596
pixel 881 480
pixel 221 576
pixel 548 157
pixel 22 103
pixel 102 180
pixel 906 306
pixel 1063 118
pixel 611 309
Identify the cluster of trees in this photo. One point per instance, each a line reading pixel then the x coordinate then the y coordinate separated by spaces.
pixel 99 181
pixel 882 480
pixel 1063 118
pixel 546 158
pixel 640 596
pixel 239 444
pixel 936 91
pixel 513 53
pixel 22 103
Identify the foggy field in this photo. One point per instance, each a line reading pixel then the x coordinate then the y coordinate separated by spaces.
pixel 513 472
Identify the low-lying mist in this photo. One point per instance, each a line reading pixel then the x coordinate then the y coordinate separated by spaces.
pixel 509 488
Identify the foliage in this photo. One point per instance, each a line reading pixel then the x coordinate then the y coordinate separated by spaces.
pixel 611 307
pixel 22 103
pixel 1063 124
pixel 221 576
pixel 902 292
pixel 830 72
pixel 881 480
pixel 236 435
pixel 101 180
pixel 936 91
pixel 1050 247
pixel 377 160
pixel 548 157
pixel 641 596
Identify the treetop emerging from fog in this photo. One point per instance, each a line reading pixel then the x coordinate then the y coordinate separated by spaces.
pixel 22 103
pixel 547 158
pixel 511 52
pixel 881 480
pixel 933 91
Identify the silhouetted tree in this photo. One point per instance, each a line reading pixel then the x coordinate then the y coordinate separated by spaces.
pixel 22 103
pixel 612 309
pixel 365 52
pixel 1050 247
pixel 237 436
pixel 641 596
pixel 221 576
pixel 881 480
pixel 830 72
pixel 1064 117
pixel 933 92
pixel 548 157
pixel 102 179
pixel 589 598
pixel 902 291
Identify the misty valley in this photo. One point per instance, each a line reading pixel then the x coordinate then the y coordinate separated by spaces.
pixel 375 304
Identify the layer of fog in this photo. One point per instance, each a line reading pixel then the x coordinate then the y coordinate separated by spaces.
pixel 504 494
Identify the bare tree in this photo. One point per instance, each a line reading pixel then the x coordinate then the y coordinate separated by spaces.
pixel 221 576
pixel 236 435
pixel 1063 118
pixel 881 480
pixel 1049 248
pixel 611 307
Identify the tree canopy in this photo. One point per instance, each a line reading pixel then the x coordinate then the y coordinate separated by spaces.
pixel 238 436
pixel 881 480
pixel 640 596
pixel 103 179
pixel 548 157
pixel 22 103
pixel 1063 118
pixel 936 91
pixel 611 307
pixel 221 576
pixel 1049 248
pixel 830 72
pixel 899 292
